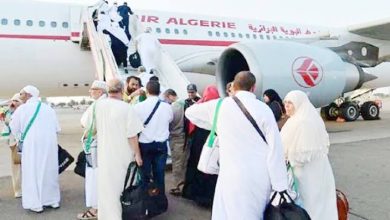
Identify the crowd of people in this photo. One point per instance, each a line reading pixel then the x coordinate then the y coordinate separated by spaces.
pixel 131 122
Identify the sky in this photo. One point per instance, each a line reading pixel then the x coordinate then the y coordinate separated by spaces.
pixel 330 13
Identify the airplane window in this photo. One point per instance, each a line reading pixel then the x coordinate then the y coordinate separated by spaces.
pixel 41 23
pixel 233 34
pixel 254 36
pixel 17 22
pixel 210 33
pixel 185 32
pixel 29 23
pixel 274 37
pixel 240 35
pixel 268 37
pixel 53 24
pixel 65 24
pixel 4 21
pixel 158 30
pixel 280 37
pixel 167 30
pixel 218 34
pixel 176 31
pixel 261 36
pixel 247 36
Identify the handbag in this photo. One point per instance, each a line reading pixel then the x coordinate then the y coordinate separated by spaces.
pixel 135 60
pixel 64 159
pixel 138 202
pixel 79 169
pixel 284 210
pixel 342 205
pixel 209 157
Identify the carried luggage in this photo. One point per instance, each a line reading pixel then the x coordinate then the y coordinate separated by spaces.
pixel 64 159
pixel 285 210
pixel 140 202
pixel 80 164
pixel 135 60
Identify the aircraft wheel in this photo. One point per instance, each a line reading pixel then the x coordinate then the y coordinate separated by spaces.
pixel 349 111
pixel 330 112
pixel 370 111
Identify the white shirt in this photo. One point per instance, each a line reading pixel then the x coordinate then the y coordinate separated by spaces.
pixel 158 127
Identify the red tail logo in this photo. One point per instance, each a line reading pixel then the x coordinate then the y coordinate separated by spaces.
pixel 307 72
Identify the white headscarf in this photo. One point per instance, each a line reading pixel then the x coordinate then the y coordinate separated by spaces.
pixel 304 135
pixel 32 90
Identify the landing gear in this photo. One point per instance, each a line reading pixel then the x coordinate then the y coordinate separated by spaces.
pixel 349 111
pixel 370 111
pixel 330 112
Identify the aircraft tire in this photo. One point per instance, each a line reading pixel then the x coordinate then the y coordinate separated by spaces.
pixel 370 111
pixel 330 112
pixel 349 111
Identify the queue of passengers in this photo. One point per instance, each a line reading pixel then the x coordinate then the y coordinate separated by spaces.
pixel 129 122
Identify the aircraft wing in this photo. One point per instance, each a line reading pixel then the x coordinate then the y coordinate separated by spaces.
pixel 379 30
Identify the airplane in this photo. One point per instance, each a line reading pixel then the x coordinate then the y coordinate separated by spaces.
pixel 53 46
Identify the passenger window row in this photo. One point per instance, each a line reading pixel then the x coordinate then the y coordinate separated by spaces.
pixel 247 36
pixel 30 23
pixel 168 31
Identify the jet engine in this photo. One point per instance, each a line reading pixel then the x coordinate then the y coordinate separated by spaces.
pixel 285 66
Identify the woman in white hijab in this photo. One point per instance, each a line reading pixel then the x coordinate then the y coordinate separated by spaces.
pixel 306 147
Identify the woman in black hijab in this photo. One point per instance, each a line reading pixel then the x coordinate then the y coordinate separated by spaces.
pixel 273 100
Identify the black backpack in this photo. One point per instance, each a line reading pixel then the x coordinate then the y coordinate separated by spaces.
pixel 135 60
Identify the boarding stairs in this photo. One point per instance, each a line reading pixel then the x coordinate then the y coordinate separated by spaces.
pixel 167 71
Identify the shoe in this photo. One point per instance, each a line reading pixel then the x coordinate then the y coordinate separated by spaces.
pixel 126 71
pixel 37 210
pixel 18 195
pixel 55 205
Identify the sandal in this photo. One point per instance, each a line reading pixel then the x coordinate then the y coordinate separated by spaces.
pixel 87 215
pixel 175 192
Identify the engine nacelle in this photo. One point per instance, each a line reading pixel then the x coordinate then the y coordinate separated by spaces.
pixel 285 66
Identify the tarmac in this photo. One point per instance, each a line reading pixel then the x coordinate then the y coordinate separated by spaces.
pixel 359 155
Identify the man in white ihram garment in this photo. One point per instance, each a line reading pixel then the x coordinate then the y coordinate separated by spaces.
pixel 148 48
pixel 40 186
pixel 117 126
pixel 97 91
pixel 249 168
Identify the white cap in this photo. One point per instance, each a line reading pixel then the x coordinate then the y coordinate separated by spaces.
pixel 16 97
pixel 97 84
pixel 32 90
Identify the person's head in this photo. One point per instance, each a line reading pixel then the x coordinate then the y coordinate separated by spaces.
pixel 154 78
pixel 115 88
pixel 209 93
pixel 98 88
pixel 115 3
pixel 148 30
pixel 153 88
pixel 271 95
pixel 191 91
pixel 133 83
pixel 125 3
pixel 16 101
pixel 28 92
pixel 229 89
pixel 244 80
pixel 141 69
pixel 170 96
pixel 294 101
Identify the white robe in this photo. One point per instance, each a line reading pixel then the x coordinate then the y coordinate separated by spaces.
pixel 248 166
pixel 40 186
pixel 148 47
pixel 116 121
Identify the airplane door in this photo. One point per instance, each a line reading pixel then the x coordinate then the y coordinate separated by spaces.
pixel 75 23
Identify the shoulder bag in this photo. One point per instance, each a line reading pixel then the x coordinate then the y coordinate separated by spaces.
pixel 209 157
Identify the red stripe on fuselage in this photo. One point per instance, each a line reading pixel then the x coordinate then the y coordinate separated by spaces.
pixel 35 37
pixel 162 41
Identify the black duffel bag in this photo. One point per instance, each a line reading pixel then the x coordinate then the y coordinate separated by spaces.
pixel 64 159
pixel 79 169
pixel 284 210
pixel 135 60
pixel 139 202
